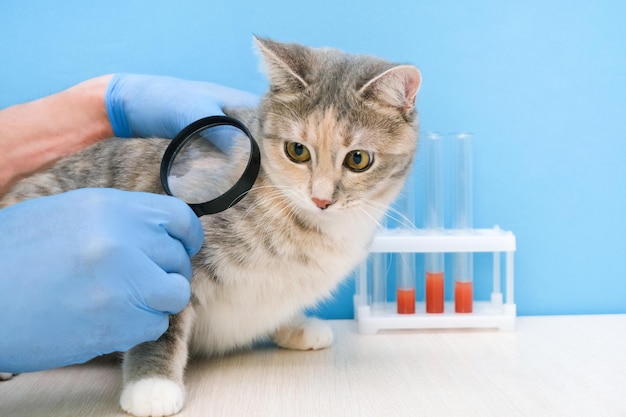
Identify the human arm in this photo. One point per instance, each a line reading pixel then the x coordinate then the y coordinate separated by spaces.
pixel 36 134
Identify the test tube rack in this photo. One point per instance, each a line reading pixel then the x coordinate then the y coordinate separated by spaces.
pixel 499 312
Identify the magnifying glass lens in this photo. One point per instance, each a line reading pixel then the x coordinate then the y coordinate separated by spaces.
pixel 209 163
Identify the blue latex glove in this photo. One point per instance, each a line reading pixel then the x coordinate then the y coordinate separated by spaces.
pixel 90 272
pixel 158 106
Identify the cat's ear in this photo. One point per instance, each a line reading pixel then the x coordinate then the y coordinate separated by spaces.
pixel 286 65
pixel 397 87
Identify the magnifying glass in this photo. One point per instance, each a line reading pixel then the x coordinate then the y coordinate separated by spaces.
pixel 211 164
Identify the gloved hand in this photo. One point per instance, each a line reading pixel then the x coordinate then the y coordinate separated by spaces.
pixel 158 106
pixel 90 272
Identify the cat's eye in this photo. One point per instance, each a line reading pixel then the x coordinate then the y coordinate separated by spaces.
pixel 297 152
pixel 358 161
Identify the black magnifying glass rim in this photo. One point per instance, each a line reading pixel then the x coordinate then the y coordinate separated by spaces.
pixel 243 184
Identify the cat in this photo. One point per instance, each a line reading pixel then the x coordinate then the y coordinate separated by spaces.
pixel 337 134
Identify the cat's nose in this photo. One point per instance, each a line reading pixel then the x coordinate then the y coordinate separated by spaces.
pixel 323 204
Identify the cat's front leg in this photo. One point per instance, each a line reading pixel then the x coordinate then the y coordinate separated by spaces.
pixel 153 371
pixel 304 333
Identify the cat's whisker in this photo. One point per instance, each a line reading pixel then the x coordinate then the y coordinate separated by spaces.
pixel 276 193
pixel 362 212
pixel 380 210
pixel 268 198
pixel 401 219
pixel 392 214
pixel 263 227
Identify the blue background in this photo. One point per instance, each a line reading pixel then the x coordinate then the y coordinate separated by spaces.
pixel 541 84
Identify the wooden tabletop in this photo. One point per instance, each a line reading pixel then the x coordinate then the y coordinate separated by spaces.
pixel 550 366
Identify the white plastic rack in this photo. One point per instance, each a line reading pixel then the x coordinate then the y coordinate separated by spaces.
pixel 499 312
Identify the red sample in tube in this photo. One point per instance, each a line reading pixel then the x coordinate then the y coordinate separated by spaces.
pixel 406 300
pixel 463 296
pixel 434 292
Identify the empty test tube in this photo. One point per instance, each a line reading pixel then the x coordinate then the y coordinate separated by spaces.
pixel 379 281
pixel 379 278
pixel 463 263
pixel 434 262
pixel 405 262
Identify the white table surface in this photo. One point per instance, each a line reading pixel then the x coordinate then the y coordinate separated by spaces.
pixel 550 366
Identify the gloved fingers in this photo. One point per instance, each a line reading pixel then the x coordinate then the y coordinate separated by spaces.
pixel 148 106
pixel 169 255
pixel 211 100
pixel 137 330
pixel 149 288
pixel 153 330
pixel 178 220
pixel 137 326
pixel 185 226
pixel 154 212
pixel 167 293
pixel 231 97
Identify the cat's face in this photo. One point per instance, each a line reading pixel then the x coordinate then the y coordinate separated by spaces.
pixel 338 132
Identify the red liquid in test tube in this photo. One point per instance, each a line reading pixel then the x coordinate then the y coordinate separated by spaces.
pixel 463 296
pixel 406 300
pixel 434 292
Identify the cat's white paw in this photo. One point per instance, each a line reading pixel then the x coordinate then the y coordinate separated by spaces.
pixel 311 334
pixel 153 397
pixel 5 375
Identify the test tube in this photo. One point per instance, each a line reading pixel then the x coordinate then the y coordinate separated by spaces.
pixel 405 261
pixel 379 282
pixel 379 278
pixel 463 263
pixel 405 284
pixel 434 262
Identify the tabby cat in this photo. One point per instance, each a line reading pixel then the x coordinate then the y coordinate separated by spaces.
pixel 338 134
